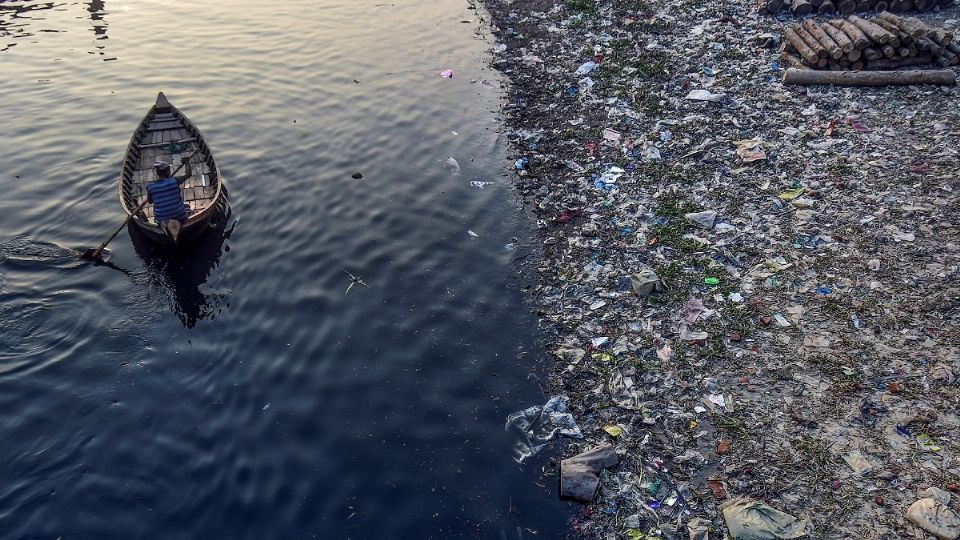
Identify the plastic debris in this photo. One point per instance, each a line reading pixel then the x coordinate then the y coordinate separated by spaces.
pixel 857 462
pixel 585 68
pixel 705 95
pixel 748 519
pixel 646 282
pixel 703 219
pixel 578 474
pixel 833 249
pixel 537 425
pixel 453 165
pixel 613 431
pixel 933 514
pixel 447 74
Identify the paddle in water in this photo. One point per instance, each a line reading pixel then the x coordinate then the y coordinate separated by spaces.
pixel 95 255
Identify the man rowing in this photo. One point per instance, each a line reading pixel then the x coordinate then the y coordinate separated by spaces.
pixel 168 207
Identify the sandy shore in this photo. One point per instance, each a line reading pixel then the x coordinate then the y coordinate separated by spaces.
pixel 801 346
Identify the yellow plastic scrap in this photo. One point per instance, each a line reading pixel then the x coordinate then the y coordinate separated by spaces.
pixel 791 194
pixel 928 443
pixel 614 431
pixel 603 357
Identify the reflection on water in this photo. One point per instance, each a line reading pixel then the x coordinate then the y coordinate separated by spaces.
pixel 233 390
pixel 181 273
pixel 20 21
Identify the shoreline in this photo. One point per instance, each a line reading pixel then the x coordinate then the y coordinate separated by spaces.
pixel 797 350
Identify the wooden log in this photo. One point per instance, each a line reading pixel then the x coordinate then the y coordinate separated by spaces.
pixel 859 39
pixel 809 55
pixel 828 43
pixel 843 62
pixel 827 8
pixel 899 6
pixel 847 6
pixel 775 6
pixel 811 42
pixel 912 26
pixel 864 5
pixel 822 63
pixel 839 38
pixel 793 60
pixel 857 66
pixel 913 49
pixel 834 66
pixel 854 55
pixel 872 54
pixel 925 5
pixel 941 36
pixel 875 32
pixel 880 6
pixel 953 47
pixel 902 38
pixel 903 52
pixel 896 63
pixel 800 7
pixel 888 51
pixel 928 45
pixel 869 78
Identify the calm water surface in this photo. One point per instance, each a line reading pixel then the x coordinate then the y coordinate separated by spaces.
pixel 238 392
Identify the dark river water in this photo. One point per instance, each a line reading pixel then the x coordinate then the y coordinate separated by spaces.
pixel 236 391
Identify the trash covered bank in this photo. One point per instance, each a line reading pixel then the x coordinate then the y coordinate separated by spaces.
pixel 754 287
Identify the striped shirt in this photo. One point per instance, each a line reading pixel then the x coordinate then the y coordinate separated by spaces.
pixel 167 200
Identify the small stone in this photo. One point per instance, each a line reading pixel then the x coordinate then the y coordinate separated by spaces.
pixel 356 175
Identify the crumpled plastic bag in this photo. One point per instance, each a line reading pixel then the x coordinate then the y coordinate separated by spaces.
pixel 537 425
pixel 748 519
pixel 625 392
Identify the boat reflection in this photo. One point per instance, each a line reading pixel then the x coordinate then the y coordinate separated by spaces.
pixel 182 272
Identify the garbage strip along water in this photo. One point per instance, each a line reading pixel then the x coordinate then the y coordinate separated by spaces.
pixel 751 288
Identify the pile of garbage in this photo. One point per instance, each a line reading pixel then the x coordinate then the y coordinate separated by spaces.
pixel 755 289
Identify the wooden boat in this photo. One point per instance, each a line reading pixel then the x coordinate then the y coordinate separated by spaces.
pixel 167 134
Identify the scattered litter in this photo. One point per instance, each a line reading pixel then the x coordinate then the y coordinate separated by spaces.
pixel 646 282
pixel 578 474
pixel 933 514
pixel 586 68
pixel 447 74
pixel 857 462
pixel 703 219
pixel 453 165
pixel 705 95
pixel 748 519
pixel 473 234
pixel 726 258
pixel 537 425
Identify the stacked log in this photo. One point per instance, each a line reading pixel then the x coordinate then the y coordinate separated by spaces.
pixel 884 42
pixel 826 7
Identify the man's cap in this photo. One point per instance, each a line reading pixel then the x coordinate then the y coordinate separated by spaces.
pixel 160 165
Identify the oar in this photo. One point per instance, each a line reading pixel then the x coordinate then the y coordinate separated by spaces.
pixel 94 254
